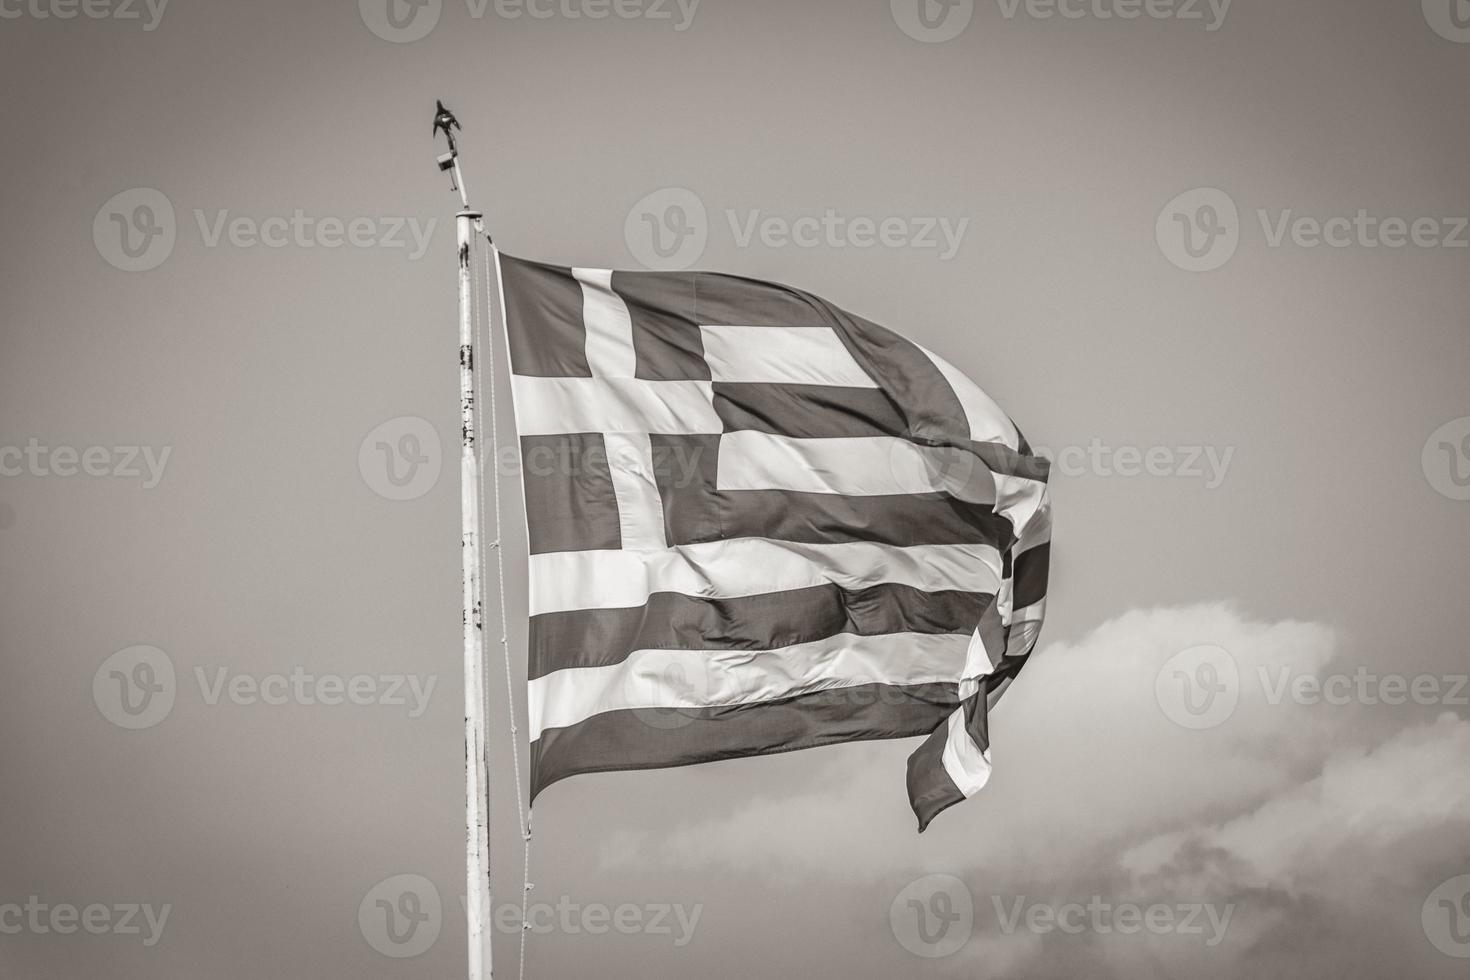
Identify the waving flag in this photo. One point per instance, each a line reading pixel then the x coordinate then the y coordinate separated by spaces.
pixel 758 523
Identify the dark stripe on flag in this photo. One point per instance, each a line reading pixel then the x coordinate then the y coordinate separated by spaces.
pixel 931 791
pixel 570 503
pixel 1008 462
pixel 996 683
pixel 931 409
pixel 915 388
pixel 601 637
pixel 666 337
pixel 992 634
pixel 1032 568
pixel 807 411
pixel 544 325
pixel 686 469
pixel 900 521
pixel 660 738
pixel 731 301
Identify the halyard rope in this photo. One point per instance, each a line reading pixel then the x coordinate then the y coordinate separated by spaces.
pixel 485 341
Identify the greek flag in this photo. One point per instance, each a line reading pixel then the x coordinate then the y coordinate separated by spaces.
pixel 758 523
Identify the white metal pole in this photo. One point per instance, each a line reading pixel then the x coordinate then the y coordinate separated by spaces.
pixel 468 227
pixel 477 823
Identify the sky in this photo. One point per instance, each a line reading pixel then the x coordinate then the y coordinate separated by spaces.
pixel 1211 257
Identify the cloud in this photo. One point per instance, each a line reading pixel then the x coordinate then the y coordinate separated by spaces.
pixel 1350 855
pixel 1319 845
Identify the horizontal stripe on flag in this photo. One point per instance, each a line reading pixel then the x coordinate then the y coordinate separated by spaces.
pixel 1012 462
pixel 928 519
pixel 781 355
pixel 717 299
pixel 751 566
pixel 1034 613
pixel 546 406
pixel 900 521
pixel 807 411
pixel 931 789
pixel 1019 498
pixel 599 637
pixel 877 466
pixel 694 511
pixel 1037 530
pixel 965 762
pixel 978 660
pixel 1025 629
pixel 909 377
pixel 721 678
pixel 986 421
pixel 660 738
pixel 1031 571
pixel 1023 636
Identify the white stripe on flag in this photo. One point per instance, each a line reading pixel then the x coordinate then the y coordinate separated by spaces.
pixel 569 580
pixel 1034 613
pixel 782 355
pixel 977 661
pixel 609 326
pixel 1037 531
pixel 1025 628
pixel 857 466
pixel 1019 499
pixel 640 508
pixel 707 678
pixel 552 406
pixel 987 422
pixel 966 765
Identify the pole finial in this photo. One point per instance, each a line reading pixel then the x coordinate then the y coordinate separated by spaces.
pixel 445 122
pixel 444 119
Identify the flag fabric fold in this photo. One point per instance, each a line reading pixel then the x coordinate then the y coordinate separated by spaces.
pixel 758 523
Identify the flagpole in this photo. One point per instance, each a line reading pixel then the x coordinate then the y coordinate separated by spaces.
pixel 468 225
